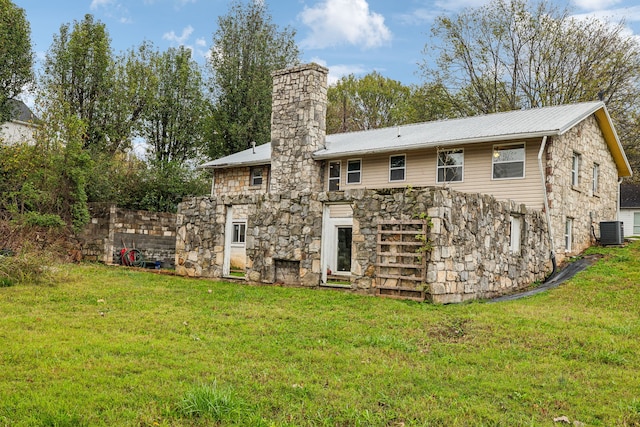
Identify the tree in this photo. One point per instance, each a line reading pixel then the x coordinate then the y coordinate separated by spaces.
pixel 78 77
pixel 173 120
pixel 370 102
pixel 513 54
pixel 247 48
pixel 16 57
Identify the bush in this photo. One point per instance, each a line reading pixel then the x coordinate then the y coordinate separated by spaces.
pixel 43 220
pixel 34 268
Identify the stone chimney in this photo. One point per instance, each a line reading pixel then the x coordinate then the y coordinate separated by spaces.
pixel 298 127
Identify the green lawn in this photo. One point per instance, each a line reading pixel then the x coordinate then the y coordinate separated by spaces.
pixel 111 346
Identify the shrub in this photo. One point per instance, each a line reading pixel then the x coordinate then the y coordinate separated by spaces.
pixel 27 267
pixel 43 220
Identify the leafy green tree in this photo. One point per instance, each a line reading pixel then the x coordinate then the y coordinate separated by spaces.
pixel 247 48
pixel 173 120
pixel 370 102
pixel 79 78
pixel 512 54
pixel 16 57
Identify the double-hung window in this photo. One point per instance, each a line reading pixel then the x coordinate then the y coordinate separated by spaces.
pixel 450 166
pixel 354 171
pixel 568 234
pixel 508 161
pixel 576 160
pixel 239 233
pixel 334 176
pixel 397 167
pixel 256 176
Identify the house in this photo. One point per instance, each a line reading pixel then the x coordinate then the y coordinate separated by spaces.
pixel 630 208
pixel 447 211
pixel 22 126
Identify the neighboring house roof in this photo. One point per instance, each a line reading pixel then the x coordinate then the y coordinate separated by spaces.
pixel 21 113
pixel 630 196
pixel 520 124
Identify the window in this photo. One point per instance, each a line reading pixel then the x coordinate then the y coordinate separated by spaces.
pixel 508 161
pixel 397 167
pixel 636 223
pixel 239 232
pixel 334 176
pixel 354 171
pixel 450 165
pixel 515 226
pixel 596 177
pixel 568 231
pixel 575 169
pixel 256 176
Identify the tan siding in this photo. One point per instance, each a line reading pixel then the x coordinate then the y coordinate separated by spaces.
pixel 340 211
pixel 421 172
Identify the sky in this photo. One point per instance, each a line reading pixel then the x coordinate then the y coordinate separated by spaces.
pixel 347 36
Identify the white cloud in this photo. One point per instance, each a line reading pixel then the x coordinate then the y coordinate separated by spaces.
pixel 201 42
pixel 96 4
pixel 595 4
pixel 179 39
pixel 336 22
pixel 112 9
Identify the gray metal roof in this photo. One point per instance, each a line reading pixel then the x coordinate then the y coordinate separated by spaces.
pixel 261 156
pixel 509 125
pixel 20 112
pixel 532 123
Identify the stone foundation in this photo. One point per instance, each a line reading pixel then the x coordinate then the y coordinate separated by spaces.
pixel 470 255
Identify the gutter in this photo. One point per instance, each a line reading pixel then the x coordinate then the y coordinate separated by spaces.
pixel 543 179
pixel 327 153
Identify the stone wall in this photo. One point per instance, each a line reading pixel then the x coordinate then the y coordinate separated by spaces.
pixel 470 258
pixel 579 202
pixel 234 181
pixel 152 233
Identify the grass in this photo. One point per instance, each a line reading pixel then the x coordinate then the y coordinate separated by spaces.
pixel 116 347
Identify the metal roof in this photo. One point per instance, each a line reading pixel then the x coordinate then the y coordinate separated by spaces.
pixel 532 123
pixel 250 157
pixel 520 124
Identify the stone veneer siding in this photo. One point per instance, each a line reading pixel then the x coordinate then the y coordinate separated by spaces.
pixel 298 116
pixel 579 202
pixel 234 181
pixel 470 258
pixel 153 233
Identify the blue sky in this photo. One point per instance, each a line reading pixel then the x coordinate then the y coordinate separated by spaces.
pixel 347 36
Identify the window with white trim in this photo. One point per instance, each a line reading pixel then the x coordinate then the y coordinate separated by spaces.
pixel 568 234
pixel 450 165
pixel 508 161
pixel 256 176
pixel 354 171
pixel 515 231
pixel 239 233
pixel 576 160
pixel 636 223
pixel 397 167
pixel 596 178
pixel 334 176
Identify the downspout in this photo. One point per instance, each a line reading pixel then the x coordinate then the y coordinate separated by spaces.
pixel 543 178
pixel 618 201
